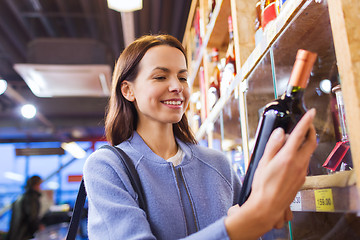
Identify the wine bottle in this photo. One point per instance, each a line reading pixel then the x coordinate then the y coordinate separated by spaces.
pixel 258 27
pixel 283 112
pixel 211 7
pixel 230 68
pixel 270 12
pixel 214 88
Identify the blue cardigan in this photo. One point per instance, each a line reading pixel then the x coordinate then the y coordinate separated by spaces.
pixel 187 201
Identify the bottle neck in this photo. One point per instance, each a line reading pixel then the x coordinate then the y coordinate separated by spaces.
pixel 295 91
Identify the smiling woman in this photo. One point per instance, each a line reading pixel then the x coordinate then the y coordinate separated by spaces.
pixel 160 91
pixel 187 188
pixel 137 63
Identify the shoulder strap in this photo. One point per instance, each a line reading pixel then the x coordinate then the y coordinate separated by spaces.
pixel 132 173
pixel 75 218
pixel 80 199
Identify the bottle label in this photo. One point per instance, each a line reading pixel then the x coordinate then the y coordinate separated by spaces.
pixel 269 14
pixel 227 78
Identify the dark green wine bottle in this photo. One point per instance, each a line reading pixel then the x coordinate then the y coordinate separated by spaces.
pixel 283 112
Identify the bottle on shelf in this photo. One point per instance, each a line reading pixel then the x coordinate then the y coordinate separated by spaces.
pixel 283 112
pixel 281 4
pixel 214 87
pixel 198 38
pixel 340 157
pixel 211 7
pixel 203 94
pixel 270 10
pixel 194 113
pixel 229 69
pixel 258 27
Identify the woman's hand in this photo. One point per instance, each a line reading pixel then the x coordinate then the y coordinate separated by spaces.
pixel 279 176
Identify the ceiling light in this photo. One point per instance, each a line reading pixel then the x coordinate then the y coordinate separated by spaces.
pixel 3 86
pixel 14 176
pixel 125 5
pixel 28 111
pixel 74 149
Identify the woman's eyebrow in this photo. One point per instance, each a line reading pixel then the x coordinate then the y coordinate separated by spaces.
pixel 162 69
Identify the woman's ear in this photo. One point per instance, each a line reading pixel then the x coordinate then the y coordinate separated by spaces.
pixel 127 92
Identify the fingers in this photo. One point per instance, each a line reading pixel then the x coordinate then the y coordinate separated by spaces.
pixel 310 143
pixel 233 209
pixel 302 130
pixel 287 217
pixel 288 214
pixel 275 143
pixel 279 224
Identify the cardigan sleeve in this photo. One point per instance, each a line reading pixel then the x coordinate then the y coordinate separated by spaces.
pixel 215 231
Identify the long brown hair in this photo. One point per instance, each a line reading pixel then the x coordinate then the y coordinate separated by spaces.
pixel 121 118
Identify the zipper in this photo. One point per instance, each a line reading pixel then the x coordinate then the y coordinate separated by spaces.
pixel 181 199
pixel 191 204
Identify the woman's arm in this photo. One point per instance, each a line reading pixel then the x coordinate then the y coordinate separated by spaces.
pixel 279 176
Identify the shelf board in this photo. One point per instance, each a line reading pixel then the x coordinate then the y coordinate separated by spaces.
pixel 328 193
pixel 337 179
pixel 332 199
pixel 190 20
pixel 270 35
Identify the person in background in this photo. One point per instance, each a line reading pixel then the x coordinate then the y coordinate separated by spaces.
pixel 191 191
pixel 25 219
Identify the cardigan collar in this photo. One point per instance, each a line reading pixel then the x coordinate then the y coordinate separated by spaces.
pixel 140 146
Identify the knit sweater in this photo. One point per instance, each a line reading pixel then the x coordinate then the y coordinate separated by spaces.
pixel 187 201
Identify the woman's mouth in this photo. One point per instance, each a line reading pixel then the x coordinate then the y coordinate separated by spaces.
pixel 175 103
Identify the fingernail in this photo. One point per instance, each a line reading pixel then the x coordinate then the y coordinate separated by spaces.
pixel 312 112
pixel 278 132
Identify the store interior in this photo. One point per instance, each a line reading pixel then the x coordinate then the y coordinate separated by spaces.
pixel 58 57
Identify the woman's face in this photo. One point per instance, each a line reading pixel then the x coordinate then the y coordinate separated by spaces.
pixel 160 90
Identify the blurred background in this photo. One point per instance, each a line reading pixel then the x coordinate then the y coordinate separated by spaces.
pixel 56 62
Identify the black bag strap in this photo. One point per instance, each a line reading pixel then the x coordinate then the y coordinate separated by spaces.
pixel 75 218
pixel 80 199
pixel 132 173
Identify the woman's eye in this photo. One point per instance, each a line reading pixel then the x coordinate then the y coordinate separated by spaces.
pixel 183 79
pixel 159 78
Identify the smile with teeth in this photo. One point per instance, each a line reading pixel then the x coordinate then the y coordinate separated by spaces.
pixel 176 103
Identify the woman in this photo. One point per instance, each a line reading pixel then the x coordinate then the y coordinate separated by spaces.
pixel 189 188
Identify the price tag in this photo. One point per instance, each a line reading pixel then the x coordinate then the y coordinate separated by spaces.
pixel 296 204
pixel 324 200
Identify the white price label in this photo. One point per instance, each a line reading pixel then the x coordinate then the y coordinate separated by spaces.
pixel 296 204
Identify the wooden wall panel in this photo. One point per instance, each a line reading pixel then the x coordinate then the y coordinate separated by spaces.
pixel 345 18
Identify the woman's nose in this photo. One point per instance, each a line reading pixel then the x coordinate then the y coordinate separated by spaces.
pixel 175 85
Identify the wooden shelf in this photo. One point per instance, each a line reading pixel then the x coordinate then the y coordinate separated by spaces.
pixel 334 199
pixel 328 193
pixel 215 36
pixel 270 36
pixel 301 24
